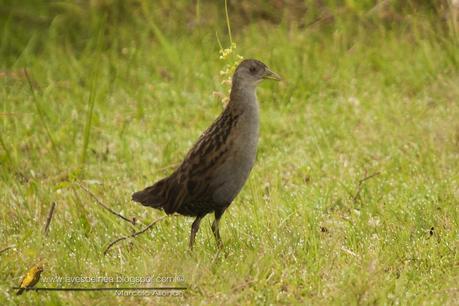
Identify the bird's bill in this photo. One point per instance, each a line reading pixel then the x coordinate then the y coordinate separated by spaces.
pixel 271 75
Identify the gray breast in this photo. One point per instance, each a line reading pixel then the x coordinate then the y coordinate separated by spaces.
pixel 233 173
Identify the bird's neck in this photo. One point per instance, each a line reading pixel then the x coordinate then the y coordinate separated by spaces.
pixel 243 97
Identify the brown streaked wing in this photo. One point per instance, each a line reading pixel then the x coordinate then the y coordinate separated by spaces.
pixel 192 181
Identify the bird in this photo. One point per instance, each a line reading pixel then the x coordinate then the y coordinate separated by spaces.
pixel 217 166
pixel 30 279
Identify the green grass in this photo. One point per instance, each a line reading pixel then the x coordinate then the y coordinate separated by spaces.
pixel 361 96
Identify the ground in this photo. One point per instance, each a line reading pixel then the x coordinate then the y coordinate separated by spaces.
pixel 353 199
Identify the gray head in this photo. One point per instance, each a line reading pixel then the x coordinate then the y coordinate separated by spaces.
pixel 250 72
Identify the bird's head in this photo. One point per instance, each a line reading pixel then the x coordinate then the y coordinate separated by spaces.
pixel 250 72
pixel 38 268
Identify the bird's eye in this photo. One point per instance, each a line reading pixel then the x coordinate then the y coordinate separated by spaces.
pixel 252 69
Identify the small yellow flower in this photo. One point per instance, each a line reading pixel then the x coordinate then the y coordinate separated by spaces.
pixel 232 59
pixel 30 279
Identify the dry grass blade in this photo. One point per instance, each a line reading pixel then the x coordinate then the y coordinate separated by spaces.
pixel 133 235
pixel 361 183
pixel 6 249
pixel 133 221
pixel 48 219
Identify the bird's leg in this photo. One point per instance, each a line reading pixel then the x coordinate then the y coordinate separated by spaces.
pixel 216 229
pixel 194 230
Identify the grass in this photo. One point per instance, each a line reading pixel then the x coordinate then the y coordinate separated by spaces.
pixel 361 97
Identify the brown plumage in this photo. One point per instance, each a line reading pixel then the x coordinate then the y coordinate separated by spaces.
pixel 217 166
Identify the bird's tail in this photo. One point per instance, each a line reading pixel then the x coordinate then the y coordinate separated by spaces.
pixel 152 196
pixel 20 291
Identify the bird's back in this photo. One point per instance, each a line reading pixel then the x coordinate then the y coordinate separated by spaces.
pixel 215 169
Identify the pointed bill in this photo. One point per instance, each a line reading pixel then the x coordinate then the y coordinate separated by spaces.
pixel 271 75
